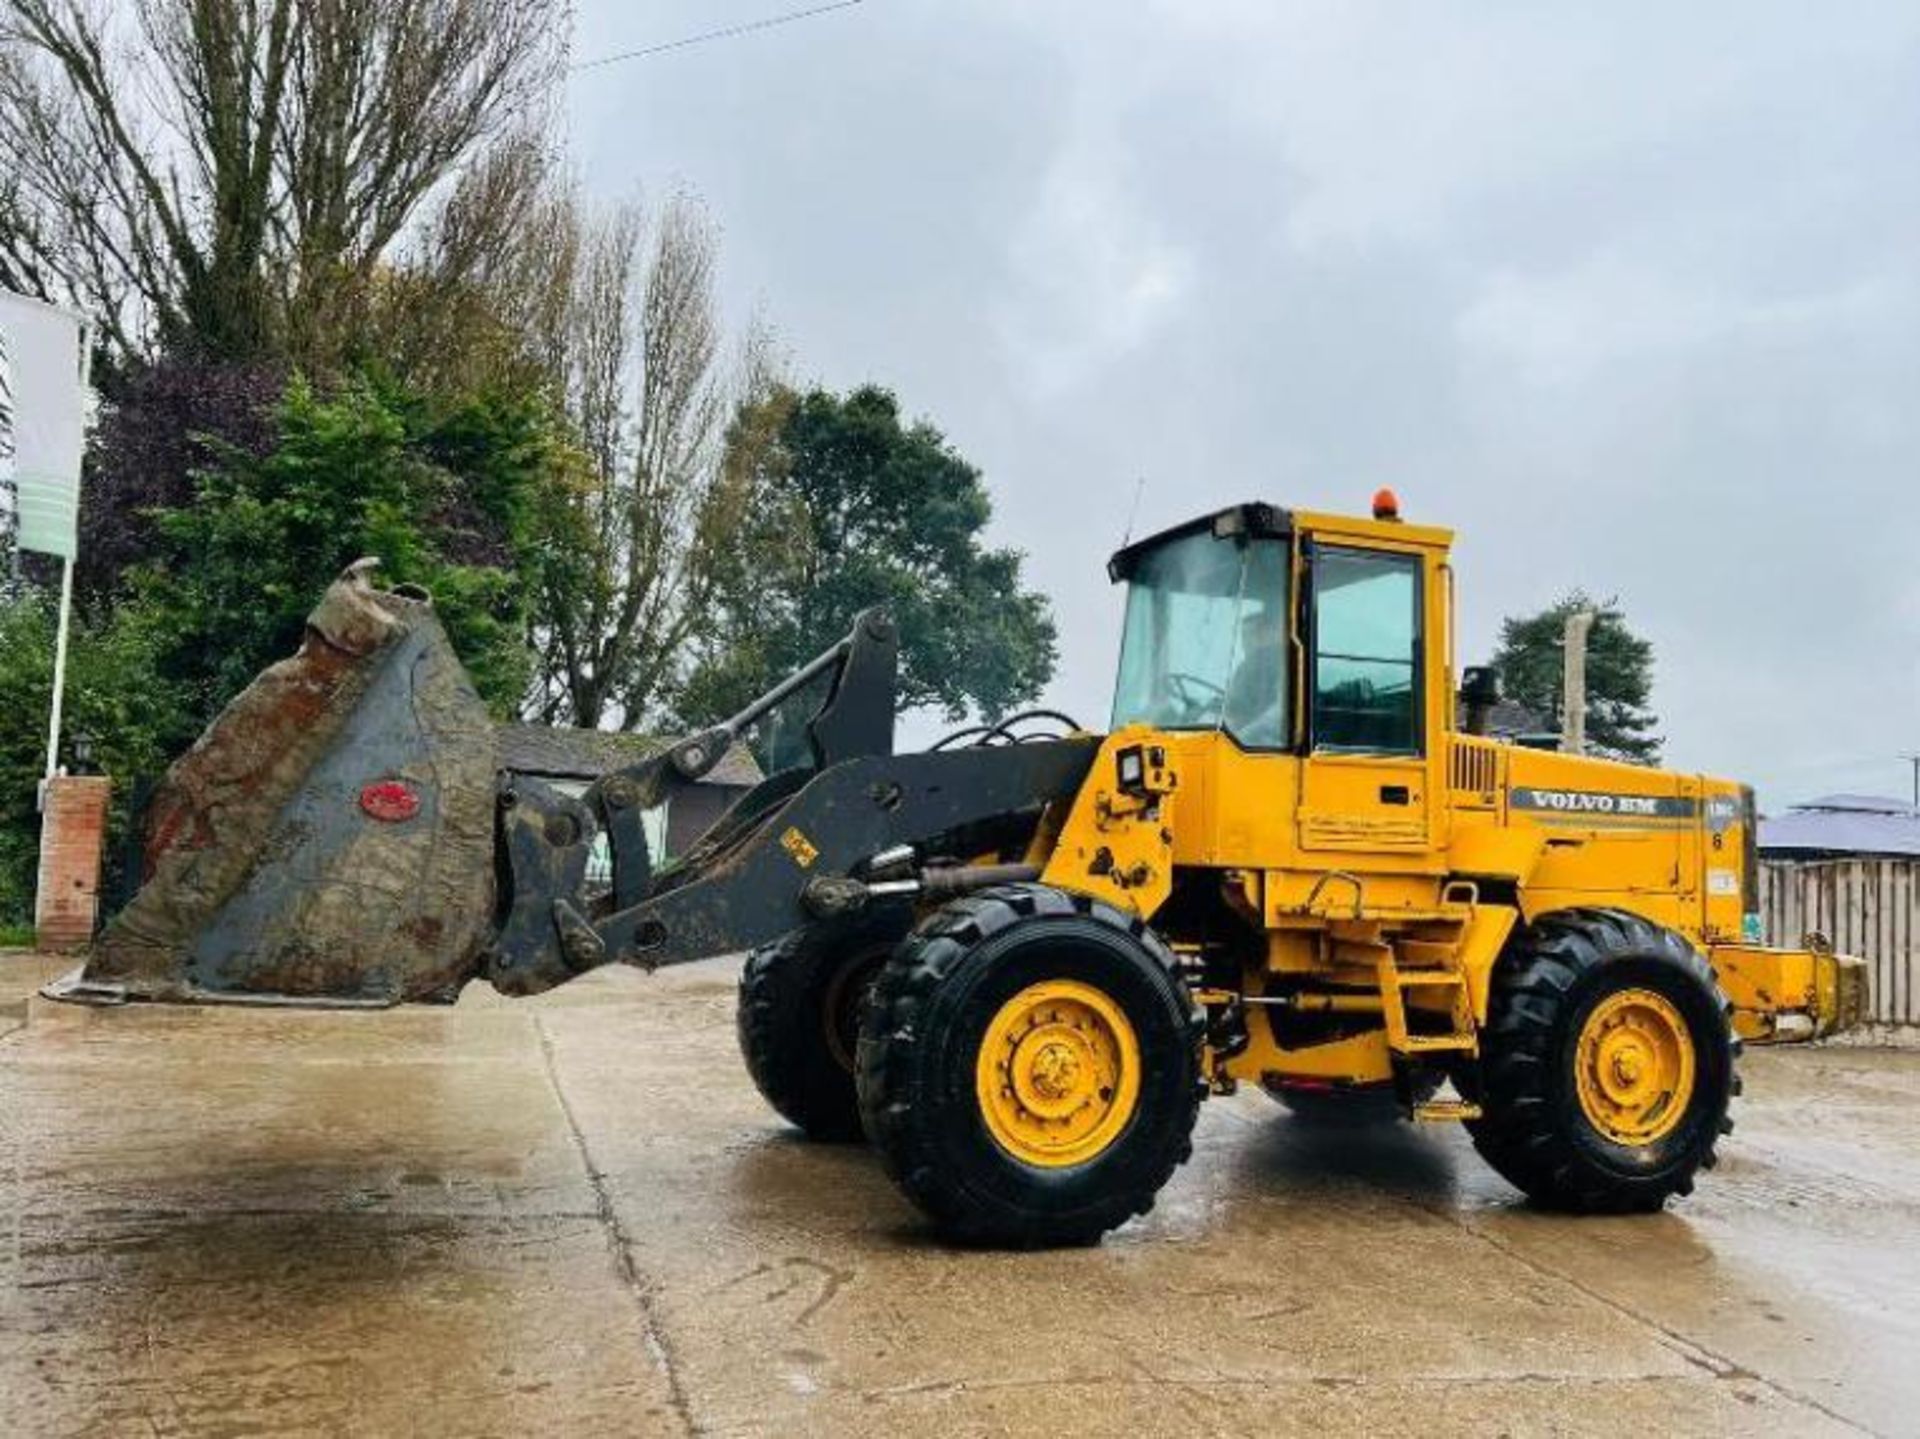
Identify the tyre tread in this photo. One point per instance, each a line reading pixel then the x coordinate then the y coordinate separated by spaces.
pixel 906 988
pixel 1520 1134
pixel 776 1021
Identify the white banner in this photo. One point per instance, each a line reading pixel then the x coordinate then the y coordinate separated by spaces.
pixel 48 403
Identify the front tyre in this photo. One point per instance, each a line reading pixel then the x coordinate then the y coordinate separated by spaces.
pixel 1029 1069
pixel 1607 1064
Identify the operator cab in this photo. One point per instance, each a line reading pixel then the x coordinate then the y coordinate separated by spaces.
pixel 1229 615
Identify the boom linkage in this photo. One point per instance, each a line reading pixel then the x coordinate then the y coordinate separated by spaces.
pixel 797 847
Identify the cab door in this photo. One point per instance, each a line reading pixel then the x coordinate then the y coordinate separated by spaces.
pixel 1364 785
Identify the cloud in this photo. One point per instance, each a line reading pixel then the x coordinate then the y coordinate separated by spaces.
pixel 1630 296
pixel 1092 279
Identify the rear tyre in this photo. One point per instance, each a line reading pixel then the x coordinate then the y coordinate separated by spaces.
pixel 1030 1068
pixel 799 1019
pixel 1607 1064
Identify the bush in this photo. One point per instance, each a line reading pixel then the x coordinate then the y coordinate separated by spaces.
pixel 157 427
pixel 446 497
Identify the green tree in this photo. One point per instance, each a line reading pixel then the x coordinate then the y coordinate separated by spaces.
pixel 458 500
pixel 830 504
pixel 1619 675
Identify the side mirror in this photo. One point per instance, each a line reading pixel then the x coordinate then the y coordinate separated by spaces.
pixel 1479 693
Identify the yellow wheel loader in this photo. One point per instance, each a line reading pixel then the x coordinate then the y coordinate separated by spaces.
pixel 1018 962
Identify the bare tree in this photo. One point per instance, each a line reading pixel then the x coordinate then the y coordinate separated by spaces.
pixel 620 306
pixel 483 296
pixel 228 175
pixel 518 281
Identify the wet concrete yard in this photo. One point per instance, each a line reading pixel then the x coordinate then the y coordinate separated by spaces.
pixel 574 1215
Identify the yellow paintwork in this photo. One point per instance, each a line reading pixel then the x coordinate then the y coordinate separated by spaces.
pixel 1775 991
pixel 1058 1074
pixel 1380 889
pixel 1114 844
pixel 1360 1059
pixel 1633 1067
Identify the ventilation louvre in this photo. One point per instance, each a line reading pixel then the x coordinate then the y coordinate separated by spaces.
pixel 1474 766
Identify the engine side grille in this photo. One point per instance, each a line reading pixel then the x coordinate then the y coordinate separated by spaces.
pixel 1474 766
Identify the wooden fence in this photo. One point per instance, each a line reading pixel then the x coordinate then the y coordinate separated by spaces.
pixel 1868 907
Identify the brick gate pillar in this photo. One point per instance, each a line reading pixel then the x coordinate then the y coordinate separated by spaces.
pixel 73 830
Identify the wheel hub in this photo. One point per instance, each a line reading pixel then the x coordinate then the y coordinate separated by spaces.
pixel 1634 1067
pixel 1054 1072
pixel 845 999
pixel 1058 1075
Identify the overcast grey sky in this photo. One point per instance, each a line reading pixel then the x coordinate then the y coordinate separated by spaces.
pixel 1629 295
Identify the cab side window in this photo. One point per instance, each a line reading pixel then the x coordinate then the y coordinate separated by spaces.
pixel 1366 651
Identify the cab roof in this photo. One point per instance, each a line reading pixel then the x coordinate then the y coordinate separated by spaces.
pixel 1256 519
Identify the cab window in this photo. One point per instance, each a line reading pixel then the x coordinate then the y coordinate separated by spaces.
pixel 1366 651
pixel 1205 640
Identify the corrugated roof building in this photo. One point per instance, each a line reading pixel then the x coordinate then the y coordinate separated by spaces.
pixel 1840 826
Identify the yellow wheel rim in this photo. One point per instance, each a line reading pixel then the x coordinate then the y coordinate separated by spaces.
pixel 1058 1075
pixel 1635 1067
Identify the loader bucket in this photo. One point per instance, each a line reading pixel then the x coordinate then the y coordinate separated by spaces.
pixel 330 838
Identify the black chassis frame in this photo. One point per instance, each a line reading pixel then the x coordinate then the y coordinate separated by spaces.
pixel 789 852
